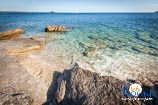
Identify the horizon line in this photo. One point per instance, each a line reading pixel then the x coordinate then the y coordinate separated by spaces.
pixel 73 12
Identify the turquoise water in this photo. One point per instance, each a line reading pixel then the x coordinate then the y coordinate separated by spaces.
pixel 132 32
pixel 123 45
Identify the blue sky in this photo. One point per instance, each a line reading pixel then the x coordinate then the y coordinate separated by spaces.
pixel 80 5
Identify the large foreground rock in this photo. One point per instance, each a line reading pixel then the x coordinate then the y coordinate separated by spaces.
pixel 82 87
pixel 55 28
pixel 15 99
pixel 11 34
pixel 21 46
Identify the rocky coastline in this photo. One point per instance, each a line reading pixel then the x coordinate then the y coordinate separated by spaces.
pixel 25 79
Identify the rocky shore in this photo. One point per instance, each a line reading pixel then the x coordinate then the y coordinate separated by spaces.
pixel 16 84
pixel 27 78
pixel 82 87
pixel 11 34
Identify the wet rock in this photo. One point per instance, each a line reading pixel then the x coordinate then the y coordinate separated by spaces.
pixel 11 34
pixel 115 47
pixel 22 46
pixel 91 48
pixel 94 38
pixel 82 45
pixel 90 51
pixel 51 37
pixel 145 37
pixel 39 38
pixel 146 50
pixel 98 44
pixel 55 28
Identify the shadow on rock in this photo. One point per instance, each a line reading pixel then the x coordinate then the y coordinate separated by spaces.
pixel 82 87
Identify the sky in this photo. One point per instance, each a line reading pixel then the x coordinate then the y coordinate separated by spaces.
pixel 79 5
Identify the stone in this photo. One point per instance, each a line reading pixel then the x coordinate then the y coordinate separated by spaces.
pixel 15 99
pixel 90 51
pixel 55 28
pixel 22 46
pixel 25 76
pixel 98 44
pixel 83 87
pixel 38 38
pixel 154 90
pixel 11 34
pixel 146 37
pixel 145 50
pixel 115 47
pixel 17 87
pixel 61 89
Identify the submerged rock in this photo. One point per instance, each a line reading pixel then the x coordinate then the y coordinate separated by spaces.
pixel 55 28
pixel 146 37
pixel 11 34
pixel 145 50
pixel 39 38
pixel 90 51
pixel 22 46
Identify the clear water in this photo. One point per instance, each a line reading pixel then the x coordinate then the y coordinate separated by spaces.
pixel 108 34
pixel 128 28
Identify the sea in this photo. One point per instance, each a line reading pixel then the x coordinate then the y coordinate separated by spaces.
pixel 98 39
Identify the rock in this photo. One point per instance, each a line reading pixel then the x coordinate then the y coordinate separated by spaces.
pixel 22 46
pixel 15 99
pixel 39 38
pixel 55 28
pixel 154 90
pixel 11 34
pixel 145 50
pixel 83 87
pixel 17 87
pixel 61 89
pixel 23 76
pixel 146 37
pixel 115 47
pixel 97 43
pixel 90 51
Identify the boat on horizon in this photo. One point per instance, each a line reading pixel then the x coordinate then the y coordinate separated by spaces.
pixel 52 12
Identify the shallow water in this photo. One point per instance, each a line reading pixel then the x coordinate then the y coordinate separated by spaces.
pixel 107 37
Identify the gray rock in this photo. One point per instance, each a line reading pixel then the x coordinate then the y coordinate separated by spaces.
pixel 14 98
pixel 90 51
pixel 83 87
